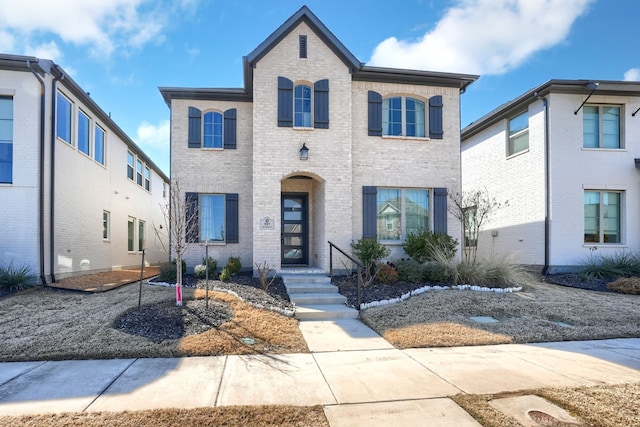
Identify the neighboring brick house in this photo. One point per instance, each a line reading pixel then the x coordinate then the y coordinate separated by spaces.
pixel 566 156
pixel 77 195
pixel 375 137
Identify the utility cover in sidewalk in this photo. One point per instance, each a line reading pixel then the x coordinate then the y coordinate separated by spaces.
pixel 534 411
pixel 483 319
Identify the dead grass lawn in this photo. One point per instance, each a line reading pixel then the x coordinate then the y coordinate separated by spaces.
pixel 50 324
pixel 441 318
pixel 597 406
pixel 100 282
pixel 286 416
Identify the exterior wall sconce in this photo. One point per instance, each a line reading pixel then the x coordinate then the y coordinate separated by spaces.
pixel 304 152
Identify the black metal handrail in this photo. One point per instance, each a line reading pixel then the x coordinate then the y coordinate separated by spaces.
pixel 359 268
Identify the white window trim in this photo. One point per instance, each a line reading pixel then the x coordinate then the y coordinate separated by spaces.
pixel 403 105
pixel 89 133
pixel 108 238
pixel 134 237
pixel 621 142
pixel 622 214
pixel 403 217
pixel 202 147
pixel 517 134
pixel 71 119
pixel 104 145
pixel 311 99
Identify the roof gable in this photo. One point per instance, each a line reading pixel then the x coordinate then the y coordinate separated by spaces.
pixel 305 15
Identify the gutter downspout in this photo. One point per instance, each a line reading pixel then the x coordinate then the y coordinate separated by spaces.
pixel 41 175
pixel 547 185
pixel 52 179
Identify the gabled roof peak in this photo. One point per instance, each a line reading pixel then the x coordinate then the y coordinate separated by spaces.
pixel 304 14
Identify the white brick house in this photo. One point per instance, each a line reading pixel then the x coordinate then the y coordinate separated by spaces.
pixel 375 137
pixel 77 195
pixel 565 155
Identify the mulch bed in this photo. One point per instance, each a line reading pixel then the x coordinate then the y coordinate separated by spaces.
pixel 575 280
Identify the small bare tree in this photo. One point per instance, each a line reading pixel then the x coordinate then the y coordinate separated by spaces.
pixel 473 209
pixel 181 223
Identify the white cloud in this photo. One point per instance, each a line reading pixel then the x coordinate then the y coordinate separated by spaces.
pixel 632 75
pixel 102 25
pixel 154 137
pixel 46 51
pixel 484 36
pixel 7 41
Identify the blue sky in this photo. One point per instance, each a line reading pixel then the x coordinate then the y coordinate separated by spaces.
pixel 122 50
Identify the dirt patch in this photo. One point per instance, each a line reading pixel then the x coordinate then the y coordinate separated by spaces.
pixel 626 285
pixel 105 281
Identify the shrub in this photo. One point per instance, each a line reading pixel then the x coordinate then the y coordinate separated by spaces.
pixel 224 274
pixel 421 246
pixel 263 275
pixel 200 271
pixel 626 285
pixel 435 272
pixel 619 264
pixel 169 271
pixel 495 272
pixel 233 265
pixel 15 278
pixel 410 271
pixel 369 252
pixel 387 274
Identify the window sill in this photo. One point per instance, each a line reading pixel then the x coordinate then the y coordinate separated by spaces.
pixel 605 245
pixel 211 149
pixel 391 242
pixel 406 138
pixel 303 128
pixel 610 150
pixel 216 243
pixel 519 153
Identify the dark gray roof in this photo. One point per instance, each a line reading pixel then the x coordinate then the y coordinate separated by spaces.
pixel 358 70
pixel 41 66
pixel 605 87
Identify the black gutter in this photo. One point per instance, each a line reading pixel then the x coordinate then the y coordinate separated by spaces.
pixel 547 186
pixel 41 173
pixel 52 179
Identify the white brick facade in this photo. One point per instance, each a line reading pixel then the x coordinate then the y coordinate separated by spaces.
pixel 521 179
pixel 82 187
pixel 342 159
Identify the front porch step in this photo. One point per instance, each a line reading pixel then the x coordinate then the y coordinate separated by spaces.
pixel 325 312
pixel 317 298
pixel 305 278
pixel 310 288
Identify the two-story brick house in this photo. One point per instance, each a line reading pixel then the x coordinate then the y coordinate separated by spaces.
pixel 77 194
pixel 566 157
pixel 315 147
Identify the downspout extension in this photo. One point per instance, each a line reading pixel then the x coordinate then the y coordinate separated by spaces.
pixel 52 179
pixel 41 174
pixel 547 185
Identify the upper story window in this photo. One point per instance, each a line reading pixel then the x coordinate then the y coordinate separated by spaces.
pixel 63 118
pixel 217 130
pixel 130 162
pixel 139 172
pixel 98 145
pixel 601 126
pixel 518 134
pixel 302 46
pixel 212 130
pixel 404 116
pixel 6 140
pixel 303 107
pixel 84 135
pixel 147 178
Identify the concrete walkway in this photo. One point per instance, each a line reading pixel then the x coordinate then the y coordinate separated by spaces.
pixel 358 377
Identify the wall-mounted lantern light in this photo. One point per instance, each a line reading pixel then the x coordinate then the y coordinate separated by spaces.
pixel 304 152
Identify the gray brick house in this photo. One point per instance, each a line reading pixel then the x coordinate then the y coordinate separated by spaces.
pixel 315 147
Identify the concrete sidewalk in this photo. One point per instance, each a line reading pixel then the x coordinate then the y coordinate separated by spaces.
pixel 356 375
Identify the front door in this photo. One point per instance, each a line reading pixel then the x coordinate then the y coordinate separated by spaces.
pixel 295 229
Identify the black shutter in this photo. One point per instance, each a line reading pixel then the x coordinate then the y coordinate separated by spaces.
pixel 230 129
pixel 321 104
pixel 285 102
pixel 435 117
pixel 369 212
pixel 440 210
pixel 192 218
pixel 375 114
pixel 195 128
pixel 231 214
